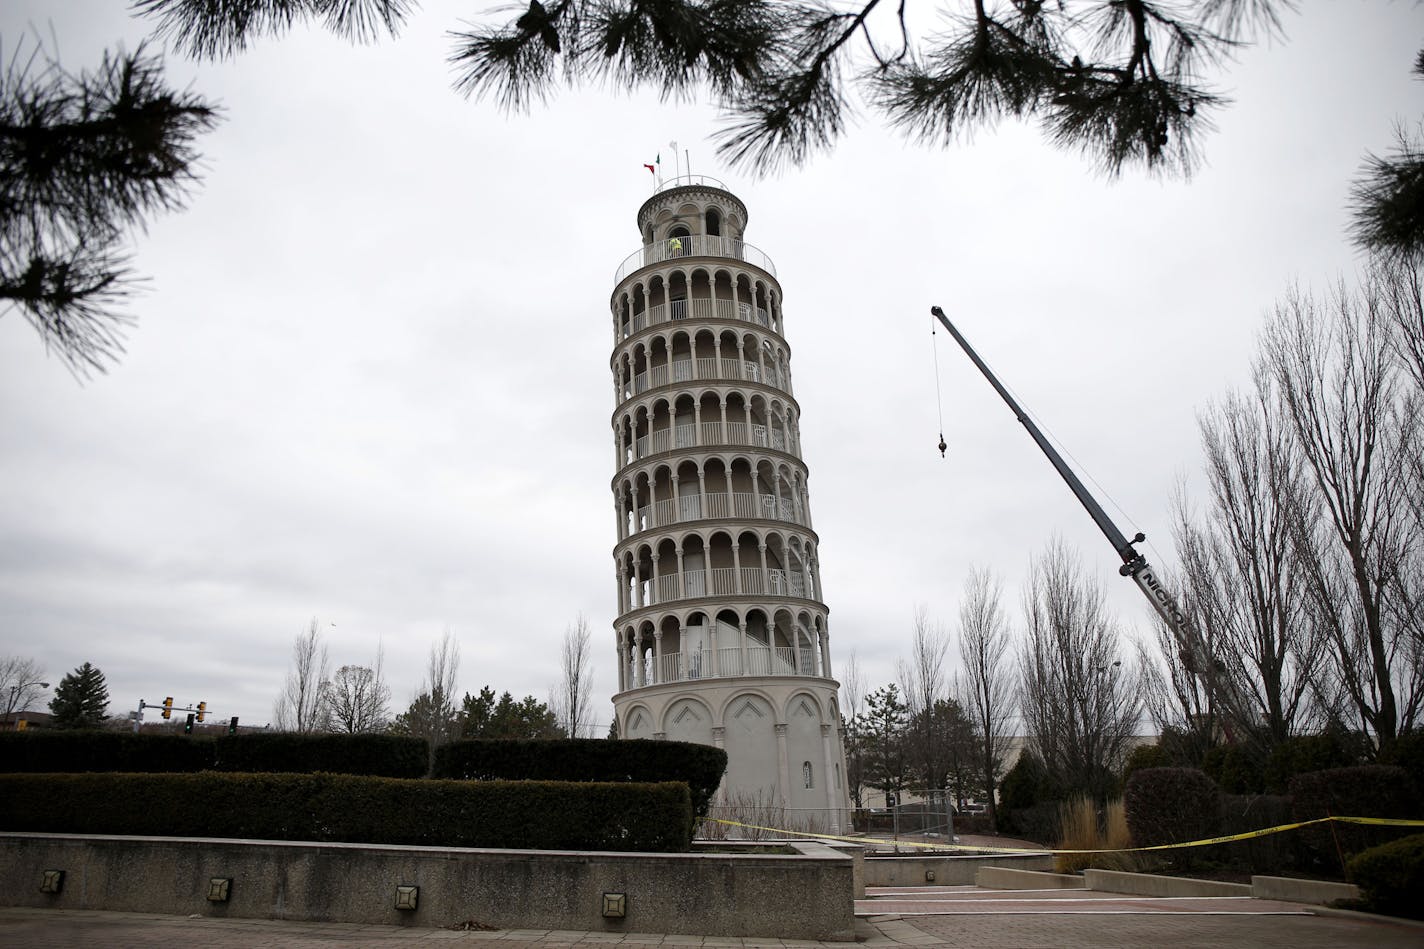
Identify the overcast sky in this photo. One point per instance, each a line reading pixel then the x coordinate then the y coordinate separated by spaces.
pixel 370 383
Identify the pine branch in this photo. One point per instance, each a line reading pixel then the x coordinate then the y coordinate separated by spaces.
pixel 1387 201
pixel 218 29
pixel 83 159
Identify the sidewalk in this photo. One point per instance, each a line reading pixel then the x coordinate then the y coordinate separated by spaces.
pixel 64 929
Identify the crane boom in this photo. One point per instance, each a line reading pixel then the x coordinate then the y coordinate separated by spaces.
pixel 1194 653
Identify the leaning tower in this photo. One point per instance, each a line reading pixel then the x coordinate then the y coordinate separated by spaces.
pixel 722 633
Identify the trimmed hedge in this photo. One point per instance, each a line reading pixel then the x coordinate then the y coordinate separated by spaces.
pixel 1306 753
pixel 80 751
pixel 1242 813
pixel 1391 876
pixel 354 809
pixel 64 752
pixel 1236 769
pixel 1407 752
pixel 586 759
pixel 1170 806
pixel 386 756
pixel 1362 791
pixel 1146 756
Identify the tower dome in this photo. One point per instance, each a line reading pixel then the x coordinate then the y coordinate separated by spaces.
pixel 722 627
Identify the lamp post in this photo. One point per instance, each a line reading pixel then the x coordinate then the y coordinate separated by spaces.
pixel 15 692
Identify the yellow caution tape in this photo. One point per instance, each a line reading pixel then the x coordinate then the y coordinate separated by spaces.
pixel 1248 835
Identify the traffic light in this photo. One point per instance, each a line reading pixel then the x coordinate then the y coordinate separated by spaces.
pixel 188 725
pixel 202 710
pixel 232 726
pixel 168 707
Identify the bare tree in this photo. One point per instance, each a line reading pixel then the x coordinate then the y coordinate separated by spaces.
pixel 853 725
pixel 1402 297
pixel 576 684
pixel 442 673
pixel 1240 570
pixel 987 683
pixel 922 680
pixel 20 684
pixel 301 706
pixel 358 698
pixel 1079 710
pixel 1339 383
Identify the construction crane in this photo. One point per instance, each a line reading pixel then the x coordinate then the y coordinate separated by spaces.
pixel 1196 658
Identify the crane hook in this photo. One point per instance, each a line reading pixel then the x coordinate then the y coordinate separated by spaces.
pixel 942 446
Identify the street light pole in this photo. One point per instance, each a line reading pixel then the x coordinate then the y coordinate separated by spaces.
pixel 16 691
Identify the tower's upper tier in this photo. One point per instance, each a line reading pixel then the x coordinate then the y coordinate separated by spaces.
pixel 692 216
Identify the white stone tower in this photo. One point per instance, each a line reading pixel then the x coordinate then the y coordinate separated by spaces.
pixel 722 633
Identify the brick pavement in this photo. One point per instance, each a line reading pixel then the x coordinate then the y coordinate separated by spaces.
pixel 74 929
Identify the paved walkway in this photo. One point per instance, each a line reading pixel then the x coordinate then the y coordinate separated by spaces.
pixel 915 916
pixel 971 900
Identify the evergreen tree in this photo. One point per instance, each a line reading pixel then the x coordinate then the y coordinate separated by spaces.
pixel 81 699
pixel 883 741
pixel 483 717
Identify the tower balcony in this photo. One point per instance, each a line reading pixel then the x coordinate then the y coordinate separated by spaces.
pixel 707 369
pixel 716 505
pixel 713 435
pixel 698 308
pixel 697 583
pixel 728 662
pixel 694 245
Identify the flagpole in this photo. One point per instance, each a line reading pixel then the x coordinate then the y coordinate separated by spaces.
pixel 677 167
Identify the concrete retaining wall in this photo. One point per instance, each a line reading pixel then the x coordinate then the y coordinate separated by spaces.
pixel 913 869
pixel 803 896
pixel 1149 884
pixel 1000 878
pixel 1318 892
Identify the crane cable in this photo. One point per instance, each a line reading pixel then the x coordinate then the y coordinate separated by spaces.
pixel 939 395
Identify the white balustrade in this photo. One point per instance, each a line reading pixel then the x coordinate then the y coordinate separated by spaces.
pixel 696 245
pixel 716 505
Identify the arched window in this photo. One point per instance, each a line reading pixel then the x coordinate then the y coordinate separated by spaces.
pixel 806 774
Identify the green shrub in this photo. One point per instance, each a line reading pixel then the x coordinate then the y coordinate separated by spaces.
pixel 387 756
pixel 61 752
pixel 1272 854
pixel 1146 756
pixel 1171 805
pixel 1028 783
pixel 629 816
pixel 1362 791
pixel 586 759
pixel 1407 752
pixel 1335 748
pixel 1391 876
pixel 1037 822
pixel 1236 769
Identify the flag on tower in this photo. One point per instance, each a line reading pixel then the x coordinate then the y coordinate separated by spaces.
pixel 654 169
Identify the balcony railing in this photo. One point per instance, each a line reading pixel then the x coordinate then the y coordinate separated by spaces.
pixel 700 308
pixel 688 369
pixel 694 245
pixel 722 581
pixel 715 506
pixel 731 661
pixel 685 436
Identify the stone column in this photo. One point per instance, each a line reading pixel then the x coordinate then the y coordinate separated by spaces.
pixel 783 767
pixel 827 778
